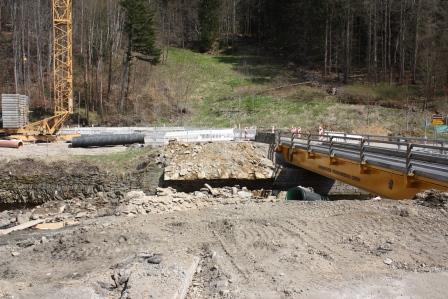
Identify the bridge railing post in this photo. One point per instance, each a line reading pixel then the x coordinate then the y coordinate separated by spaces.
pixel 409 170
pixel 331 150
pixel 308 148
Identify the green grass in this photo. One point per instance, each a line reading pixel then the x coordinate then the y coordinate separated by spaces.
pixel 381 91
pixel 119 162
pixel 229 91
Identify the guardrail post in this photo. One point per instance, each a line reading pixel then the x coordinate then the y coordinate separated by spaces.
pixel 293 135
pixel 362 150
pixel 331 146
pixel 409 170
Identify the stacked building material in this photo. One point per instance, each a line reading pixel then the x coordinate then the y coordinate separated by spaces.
pixel 15 109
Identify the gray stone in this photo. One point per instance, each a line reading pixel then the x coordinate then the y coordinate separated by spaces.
pixel 244 194
pixel 23 217
pixel 388 261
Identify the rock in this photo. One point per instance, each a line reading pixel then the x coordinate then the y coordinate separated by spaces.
pixel 404 211
pixel 386 247
pixel 15 253
pixel 245 194
pixel 259 175
pixel 23 217
pixel 210 189
pixel 4 222
pixel 387 261
pixel 121 277
pixel 134 194
pixel 81 215
pixel 155 259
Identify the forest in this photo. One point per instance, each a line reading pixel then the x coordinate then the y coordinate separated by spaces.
pixel 393 42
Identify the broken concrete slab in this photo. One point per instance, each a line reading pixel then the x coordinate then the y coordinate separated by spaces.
pixel 21 226
pixel 50 226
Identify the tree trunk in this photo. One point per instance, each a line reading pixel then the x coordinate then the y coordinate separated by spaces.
pixel 416 42
pixel 326 49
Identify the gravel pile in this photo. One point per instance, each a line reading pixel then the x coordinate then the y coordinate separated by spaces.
pixel 216 161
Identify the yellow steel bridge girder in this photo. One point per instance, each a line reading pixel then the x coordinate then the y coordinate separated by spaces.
pixel 377 180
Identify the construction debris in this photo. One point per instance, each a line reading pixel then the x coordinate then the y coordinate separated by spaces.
pixel 432 198
pixel 169 200
pixel 215 161
pixel 50 226
pixel 20 227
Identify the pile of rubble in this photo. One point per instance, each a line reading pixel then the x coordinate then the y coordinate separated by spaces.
pixel 169 200
pixel 57 214
pixel 216 161
pixel 432 198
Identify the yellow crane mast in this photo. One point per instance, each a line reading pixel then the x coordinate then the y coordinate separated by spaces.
pixel 62 76
pixel 63 57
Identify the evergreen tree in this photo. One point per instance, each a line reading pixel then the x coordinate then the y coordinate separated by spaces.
pixel 209 22
pixel 139 27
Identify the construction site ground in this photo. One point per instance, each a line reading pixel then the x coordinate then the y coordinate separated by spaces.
pixel 228 243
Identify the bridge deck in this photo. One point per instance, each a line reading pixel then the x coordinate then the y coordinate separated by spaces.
pixel 393 169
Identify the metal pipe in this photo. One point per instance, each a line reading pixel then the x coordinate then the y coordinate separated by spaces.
pixel 13 143
pixel 108 140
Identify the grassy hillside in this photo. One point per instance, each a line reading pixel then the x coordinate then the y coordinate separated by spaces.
pixel 232 90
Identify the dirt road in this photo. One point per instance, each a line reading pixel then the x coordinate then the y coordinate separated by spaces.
pixel 344 249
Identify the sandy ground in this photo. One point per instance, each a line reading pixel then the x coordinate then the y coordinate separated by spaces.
pixel 54 151
pixel 344 249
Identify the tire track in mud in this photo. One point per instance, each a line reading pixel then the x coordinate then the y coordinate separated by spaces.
pixel 425 245
pixel 309 236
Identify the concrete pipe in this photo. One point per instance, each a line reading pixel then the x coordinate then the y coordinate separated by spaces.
pixel 304 194
pixel 14 143
pixel 108 140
